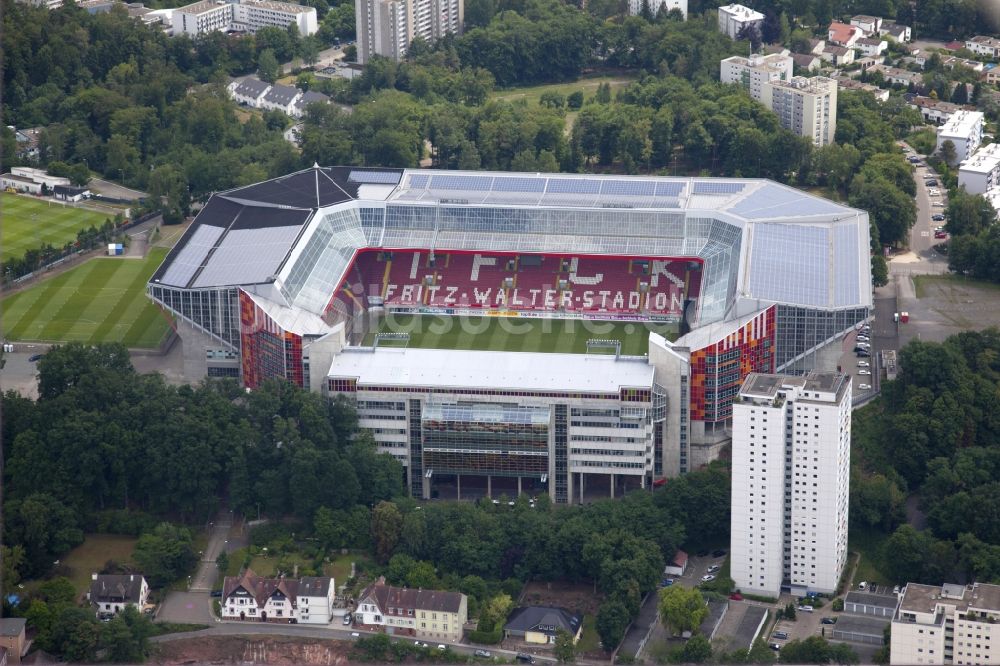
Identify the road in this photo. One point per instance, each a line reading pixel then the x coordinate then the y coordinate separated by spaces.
pixel 922 258
pixel 111 189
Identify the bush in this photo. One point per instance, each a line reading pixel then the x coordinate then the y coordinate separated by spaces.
pixel 486 637
pixel 838 604
pixel 121 521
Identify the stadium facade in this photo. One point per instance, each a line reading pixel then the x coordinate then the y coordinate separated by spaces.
pixel 286 278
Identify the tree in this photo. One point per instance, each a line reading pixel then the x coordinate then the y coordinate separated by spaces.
pixel 760 653
pixel 968 213
pixel 948 152
pixel 565 647
pixel 222 562
pixel 880 271
pixel 612 620
pixel 812 650
pixel 74 635
pixel 168 187
pixel 575 100
pixel 790 611
pixel 697 650
pixel 166 554
pixel 268 67
pixel 495 611
pixel 682 609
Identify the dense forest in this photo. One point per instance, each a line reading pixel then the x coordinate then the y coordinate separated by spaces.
pixel 935 433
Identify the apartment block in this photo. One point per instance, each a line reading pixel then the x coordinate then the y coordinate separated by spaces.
pixel 207 16
pixel 387 27
pixel 981 172
pixel 965 131
pixel 407 612
pixel 733 18
pixel 791 477
pixel 752 72
pixel 984 46
pixel 656 6
pixel 947 624
pixel 807 106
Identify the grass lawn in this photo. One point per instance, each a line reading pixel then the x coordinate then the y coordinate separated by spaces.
pixel 868 543
pixel 922 283
pixel 515 334
pixel 590 641
pixel 339 568
pixel 102 300
pixel 89 557
pixel 29 223
pixel 532 94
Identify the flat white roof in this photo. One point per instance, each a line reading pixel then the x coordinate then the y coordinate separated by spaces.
pixel 528 371
pixel 742 13
pixel 961 123
pixel 984 160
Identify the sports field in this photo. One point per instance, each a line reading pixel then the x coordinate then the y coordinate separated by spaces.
pixel 102 300
pixel 517 334
pixel 30 223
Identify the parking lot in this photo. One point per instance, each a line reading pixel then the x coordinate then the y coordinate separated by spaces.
pixel 698 566
pixel 863 370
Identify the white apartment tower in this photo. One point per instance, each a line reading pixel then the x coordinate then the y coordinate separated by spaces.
pixel 981 172
pixel 656 6
pixel 965 130
pixel 807 106
pixel 733 18
pixel 386 27
pixel 754 71
pixel 791 478
pixel 947 624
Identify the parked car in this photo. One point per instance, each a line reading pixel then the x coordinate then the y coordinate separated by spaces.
pixel 775 646
pixel 863 353
pixel 895 589
pixel 938 204
pixel 736 596
pixel 934 192
pixel 829 620
pixel 525 658
pixel 805 608
pixel 666 582
pixel 864 371
pixel 355 634
pixel 419 644
pixel 719 553
pixel 713 568
pixel 707 578
pixel 931 182
pixel 938 217
pixel 864 387
pixel 347 619
pixel 35 357
pixel 864 364
pixel 216 593
pixel 780 635
pixel 442 646
pixel 485 654
pixel 940 234
pixel 863 585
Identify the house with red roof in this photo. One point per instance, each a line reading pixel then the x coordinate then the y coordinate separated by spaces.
pixel 404 611
pixel 843 34
pixel 251 597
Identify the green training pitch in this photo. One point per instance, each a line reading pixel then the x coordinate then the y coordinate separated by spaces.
pixel 102 300
pixel 30 223
pixel 518 334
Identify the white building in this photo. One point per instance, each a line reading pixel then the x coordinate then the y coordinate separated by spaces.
pixel 871 46
pixel 257 94
pixel 870 25
pixel 791 475
pixel 249 91
pixel 279 98
pixel 407 612
pixel 752 72
pixel 39 176
pixel 950 624
pixel 111 594
pixel 807 106
pixel 242 16
pixel 984 46
pixel 901 33
pixel 981 172
pixel 656 6
pixel 733 18
pixel 386 27
pixel 10 181
pixel 965 131
pixel 306 600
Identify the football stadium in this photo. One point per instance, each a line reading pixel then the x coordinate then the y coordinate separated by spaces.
pixel 514 332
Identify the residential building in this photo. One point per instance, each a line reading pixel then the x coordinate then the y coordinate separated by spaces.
pixel 305 99
pixel 947 624
pixel 951 62
pixel 807 62
pixel 900 33
pixel 838 56
pixel 868 62
pixel 47 4
pixel 12 638
pixel 422 613
pixel 897 76
pixel 752 72
pixel 277 279
pixel 965 131
pixel 279 98
pixel 990 75
pixel 807 106
pixel 791 474
pixel 981 171
pixel 936 111
pixel 984 46
pixel 541 624
pixel 734 18
pixel 871 46
pixel 386 27
pixel 27 141
pixel 657 6
pixel 843 34
pixel 207 16
pixel 870 25
pixel 307 600
pixel 249 91
pixel 852 84
pixel 816 46
pixel 110 594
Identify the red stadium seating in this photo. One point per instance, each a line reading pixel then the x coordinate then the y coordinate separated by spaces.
pixel 491 281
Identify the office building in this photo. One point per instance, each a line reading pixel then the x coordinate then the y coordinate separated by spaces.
pixel 657 6
pixel 734 18
pixel 207 16
pixel 965 131
pixel 981 172
pixel 294 277
pixel 791 477
pixel 947 624
pixel 386 27
pixel 752 72
pixel 807 106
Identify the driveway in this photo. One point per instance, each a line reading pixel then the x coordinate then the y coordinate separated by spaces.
pixel 194 606
pixel 186 608
pixel 115 190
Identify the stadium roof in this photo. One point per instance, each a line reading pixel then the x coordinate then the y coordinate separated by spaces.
pixel 527 371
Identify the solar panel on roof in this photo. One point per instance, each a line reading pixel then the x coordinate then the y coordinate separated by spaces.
pixel 187 261
pixel 636 188
pixel 228 264
pixel 707 187
pixel 419 181
pixel 573 186
pixel 518 184
pixel 669 189
pixel 473 183
pixel 374 177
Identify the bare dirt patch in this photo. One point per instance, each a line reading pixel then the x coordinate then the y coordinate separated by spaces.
pixel 277 650
pixel 575 597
